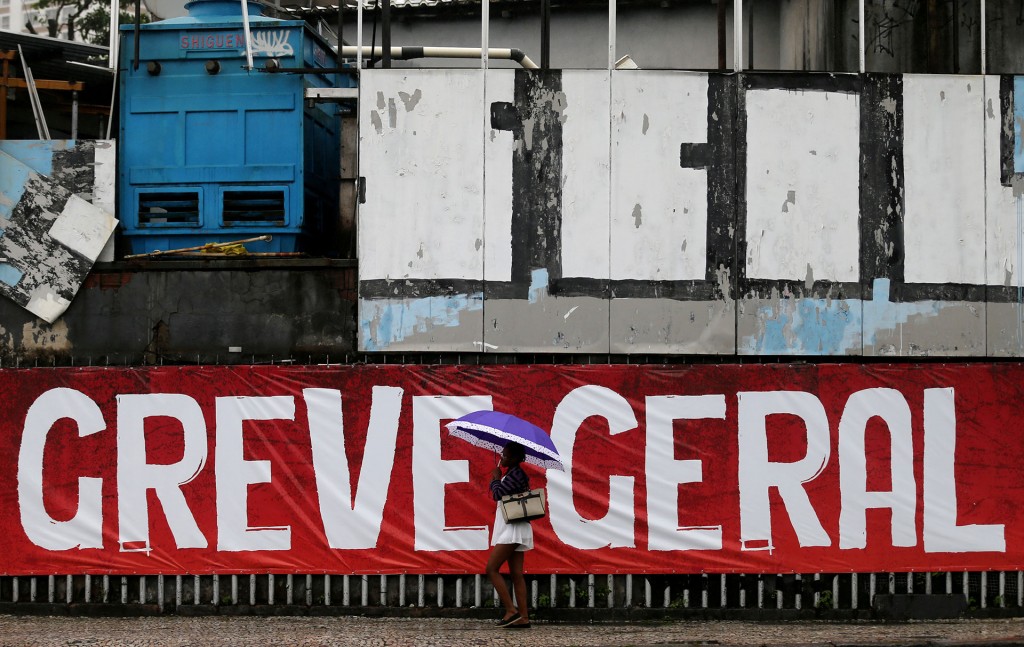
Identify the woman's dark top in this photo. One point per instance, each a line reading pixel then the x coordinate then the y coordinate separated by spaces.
pixel 514 482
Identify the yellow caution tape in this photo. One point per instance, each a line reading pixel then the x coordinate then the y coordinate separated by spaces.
pixel 222 248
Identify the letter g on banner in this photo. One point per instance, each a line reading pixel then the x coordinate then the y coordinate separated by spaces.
pixel 85 529
pixel 615 529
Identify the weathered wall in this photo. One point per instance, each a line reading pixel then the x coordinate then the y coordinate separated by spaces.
pixel 672 212
pixel 210 312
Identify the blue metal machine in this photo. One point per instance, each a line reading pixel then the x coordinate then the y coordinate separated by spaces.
pixel 212 151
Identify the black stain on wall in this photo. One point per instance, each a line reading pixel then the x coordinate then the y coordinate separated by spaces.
pixel 881 180
pixel 1006 130
pixel 1007 174
pixel 536 180
pixel 694 155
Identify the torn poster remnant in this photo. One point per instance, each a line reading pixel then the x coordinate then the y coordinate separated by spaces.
pixel 50 239
pixel 86 167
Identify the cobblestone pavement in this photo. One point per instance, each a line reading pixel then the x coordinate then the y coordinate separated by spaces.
pixel 373 632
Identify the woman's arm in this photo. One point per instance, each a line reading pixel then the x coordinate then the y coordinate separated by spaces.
pixel 515 481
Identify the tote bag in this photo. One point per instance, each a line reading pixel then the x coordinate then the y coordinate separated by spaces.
pixel 525 506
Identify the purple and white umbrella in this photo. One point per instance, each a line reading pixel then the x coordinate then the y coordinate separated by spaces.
pixel 493 430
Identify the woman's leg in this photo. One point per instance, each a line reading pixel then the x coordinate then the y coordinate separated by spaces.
pixel 500 554
pixel 515 568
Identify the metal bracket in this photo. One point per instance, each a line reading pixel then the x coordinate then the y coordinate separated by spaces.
pixel 339 95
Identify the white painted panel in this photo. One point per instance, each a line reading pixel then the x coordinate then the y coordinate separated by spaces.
pixel 104 194
pixel 1004 234
pixel 500 146
pixel 658 209
pixel 421 153
pixel 943 162
pixel 83 227
pixel 803 186
pixel 586 134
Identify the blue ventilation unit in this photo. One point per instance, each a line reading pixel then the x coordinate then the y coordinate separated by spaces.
pixel 211 151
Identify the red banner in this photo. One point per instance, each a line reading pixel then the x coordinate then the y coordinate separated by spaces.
pixel 668 469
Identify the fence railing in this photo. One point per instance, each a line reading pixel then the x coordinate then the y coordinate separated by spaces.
pixel 295 593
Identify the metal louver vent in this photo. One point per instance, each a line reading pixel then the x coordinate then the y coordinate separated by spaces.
pixel 167 208
pixel 254 207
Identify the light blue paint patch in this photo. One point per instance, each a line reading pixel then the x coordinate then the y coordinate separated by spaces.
pixel 10 274
pixel 384 322
pixel 808 327
pixel 1018 120
pixel 13 176
pixel 820 327
pixel 774 337
pixel 35 154
pixel 538 284
pixel 881 314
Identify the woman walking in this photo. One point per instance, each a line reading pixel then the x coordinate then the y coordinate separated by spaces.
pixel 510 541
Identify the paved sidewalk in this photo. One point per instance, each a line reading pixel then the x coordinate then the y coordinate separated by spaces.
pixel 374 632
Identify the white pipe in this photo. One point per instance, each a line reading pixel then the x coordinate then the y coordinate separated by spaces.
pixel 248 34
pixel 33 98
pixel 405 53
pixel 485 32
pixel 860 36
pixel 113 97
pixel 737 35
pixel 359 35
pixel 983 30
pixel 114 35
pixel 611 35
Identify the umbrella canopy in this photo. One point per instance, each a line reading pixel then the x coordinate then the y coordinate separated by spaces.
pixel 493 430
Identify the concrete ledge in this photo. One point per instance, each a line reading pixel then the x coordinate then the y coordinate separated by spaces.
pixel 910 606
pixel 79 609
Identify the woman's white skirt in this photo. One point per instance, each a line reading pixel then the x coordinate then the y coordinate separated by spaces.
pixel 518 532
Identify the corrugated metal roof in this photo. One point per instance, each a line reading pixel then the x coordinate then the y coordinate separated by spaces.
pixel 314 5
pixel 58 59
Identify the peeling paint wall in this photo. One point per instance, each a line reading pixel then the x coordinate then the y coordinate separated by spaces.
pixel 675 212
pixel 53 220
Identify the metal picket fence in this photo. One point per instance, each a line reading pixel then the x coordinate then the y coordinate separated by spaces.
pixel 809 593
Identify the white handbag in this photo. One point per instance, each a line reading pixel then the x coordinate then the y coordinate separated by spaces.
pixel 525 506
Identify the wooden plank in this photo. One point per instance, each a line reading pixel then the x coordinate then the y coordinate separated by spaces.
pixel 44 84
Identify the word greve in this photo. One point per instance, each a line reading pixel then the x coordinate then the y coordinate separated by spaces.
pixel 352 520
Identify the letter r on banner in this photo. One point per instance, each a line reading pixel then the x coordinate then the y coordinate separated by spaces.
pixel 135 476
pixel 758 475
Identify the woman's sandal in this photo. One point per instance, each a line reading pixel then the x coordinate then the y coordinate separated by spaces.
pixel 516 624
pixel 504 622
